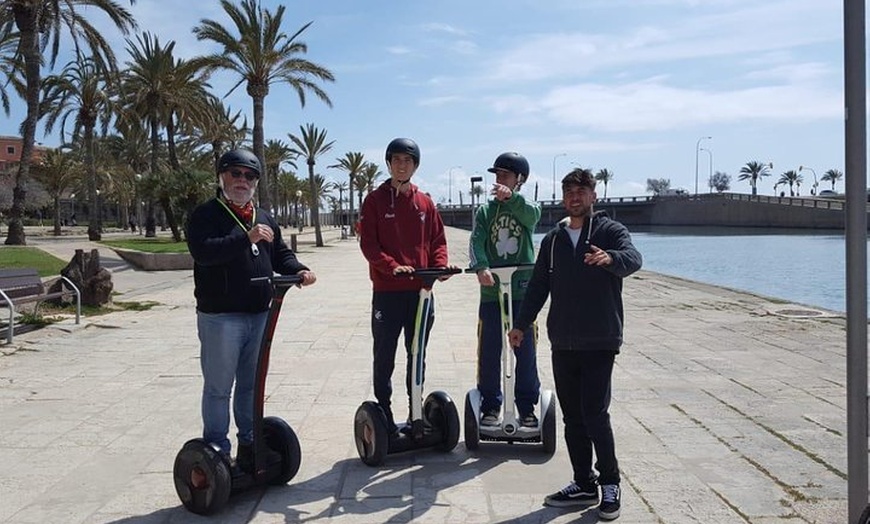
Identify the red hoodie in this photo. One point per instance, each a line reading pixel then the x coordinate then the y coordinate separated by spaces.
pixel 398 229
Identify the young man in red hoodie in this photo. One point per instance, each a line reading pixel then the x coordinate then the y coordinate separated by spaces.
pixel 400 230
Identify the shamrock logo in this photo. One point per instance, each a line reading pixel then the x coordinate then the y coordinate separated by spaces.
pixel 506 244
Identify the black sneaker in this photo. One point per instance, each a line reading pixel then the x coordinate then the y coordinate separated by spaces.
pixel 574 495
pixel 529 420
pixel 490 418
pixel 609 507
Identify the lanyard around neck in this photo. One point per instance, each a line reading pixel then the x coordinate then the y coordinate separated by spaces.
pixel 236 217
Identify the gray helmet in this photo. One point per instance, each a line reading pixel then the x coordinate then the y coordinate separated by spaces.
pixel 403 145
pixel 513 162
pixel 241 158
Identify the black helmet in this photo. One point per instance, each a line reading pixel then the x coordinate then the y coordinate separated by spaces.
pixel 403 145
pixel 239 157
pixel 513 162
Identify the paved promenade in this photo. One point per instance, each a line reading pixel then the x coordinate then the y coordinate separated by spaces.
pixel 728 408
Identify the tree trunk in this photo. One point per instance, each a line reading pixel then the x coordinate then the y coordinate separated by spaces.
pixel 150 219
pixel 260 151
pixel 94 282
pixel 94 226
pixel 26 16
pixel 351 222
pixel 314 205
pixel 57 215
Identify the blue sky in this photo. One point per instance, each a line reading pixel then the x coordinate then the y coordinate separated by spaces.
pixel 630 85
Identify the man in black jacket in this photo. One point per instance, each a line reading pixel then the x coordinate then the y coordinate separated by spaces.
pixel 233 241
pixel 580 266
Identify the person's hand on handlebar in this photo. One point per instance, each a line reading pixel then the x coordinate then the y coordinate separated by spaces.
pixel 308 278
pixel 403 270
pixel 484 276
pixel 452 267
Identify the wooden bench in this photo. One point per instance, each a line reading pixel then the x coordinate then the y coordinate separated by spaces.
pixel 22 286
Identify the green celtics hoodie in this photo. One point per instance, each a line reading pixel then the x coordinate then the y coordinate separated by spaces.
pixel 502 236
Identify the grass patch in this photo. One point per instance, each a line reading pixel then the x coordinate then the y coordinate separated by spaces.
pixel 149 245
pixel 30 257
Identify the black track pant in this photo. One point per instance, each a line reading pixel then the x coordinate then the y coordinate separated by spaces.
pixel 392 313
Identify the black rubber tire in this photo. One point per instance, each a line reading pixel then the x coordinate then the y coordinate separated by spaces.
pixel 548 427
pixel 440 412
pixel 371 434
pixel 280 437
pixel 202 477
pixel 472 426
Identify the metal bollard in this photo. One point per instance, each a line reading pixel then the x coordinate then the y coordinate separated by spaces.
pixel 293 241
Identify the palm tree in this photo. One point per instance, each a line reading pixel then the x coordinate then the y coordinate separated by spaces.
pixel 604 176
pixel 311 145
pixel 832 176
pixel 81 91
pixel 57 172
pixel 353 162
pixel 277 152
pixel 11 69
pixel 219 126
pixel 39 24
pixel 790 178
pixel 262 54
pixel 752 171
pixel 365 182
pixel 146 91
pixel 341 187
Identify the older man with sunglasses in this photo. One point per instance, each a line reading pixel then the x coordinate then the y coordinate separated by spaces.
pixel 233 241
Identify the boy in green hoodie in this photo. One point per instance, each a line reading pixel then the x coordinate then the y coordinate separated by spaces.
pixel 502 236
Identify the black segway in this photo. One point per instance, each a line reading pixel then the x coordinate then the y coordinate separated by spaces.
pixel 510 430
pixel 204 478
pixel 435 422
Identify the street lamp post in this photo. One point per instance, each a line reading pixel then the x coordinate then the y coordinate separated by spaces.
pixel 710 179
pixel 554 173
pixel 296 209
pixel 474 180
pixel 450 190
pixel 697 148
pixel 815 190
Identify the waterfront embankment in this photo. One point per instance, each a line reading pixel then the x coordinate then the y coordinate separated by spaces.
pixel 728 407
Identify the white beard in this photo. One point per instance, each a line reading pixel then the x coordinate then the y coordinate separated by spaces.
pixel 237 196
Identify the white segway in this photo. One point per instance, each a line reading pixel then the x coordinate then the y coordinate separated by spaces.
pixel 434 423
pixel 510 430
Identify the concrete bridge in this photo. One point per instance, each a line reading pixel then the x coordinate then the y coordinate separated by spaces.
pixel 716 209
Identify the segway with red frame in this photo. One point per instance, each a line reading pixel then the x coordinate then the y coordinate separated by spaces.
pixel 434 422
pixel 204 477
pixel 510 429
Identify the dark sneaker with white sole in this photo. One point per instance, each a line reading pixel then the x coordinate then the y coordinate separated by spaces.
pixel 573 495
pixel 490 418
pixel 610 501
pixel 529 420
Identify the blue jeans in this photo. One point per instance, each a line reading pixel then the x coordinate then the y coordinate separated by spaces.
pixel 490 335
pixel 229 346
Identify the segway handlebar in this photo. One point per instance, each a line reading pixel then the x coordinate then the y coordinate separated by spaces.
pixel 517 267
pixel 434 272
pixel 280 280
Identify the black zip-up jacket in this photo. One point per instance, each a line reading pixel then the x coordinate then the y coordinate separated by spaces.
pixel 224 263
pixel 585 301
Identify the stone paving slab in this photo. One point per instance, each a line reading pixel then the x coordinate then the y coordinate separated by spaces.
pixel 725 410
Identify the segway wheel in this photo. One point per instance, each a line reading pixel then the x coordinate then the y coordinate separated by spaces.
pixel 202 477
pixel 280 437
pixel 371 434
pixel 548 427
pixel 472 426
pixel 440 411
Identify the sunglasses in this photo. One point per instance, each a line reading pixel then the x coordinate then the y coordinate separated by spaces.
pixel 249 176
